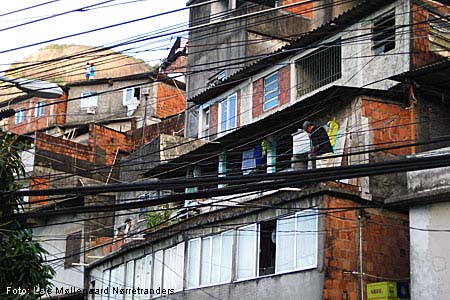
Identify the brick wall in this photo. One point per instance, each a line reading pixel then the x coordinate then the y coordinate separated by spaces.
pixel 170 100
pixel 61 146
pixel 284 85
pixel 421 54
pixel 104 143
pixel 385 248
pixel 39 183
pixel 170 126
pixel 389 124
pixel 53 115
pixel 257 105
pixel 214 122
pixel 305 9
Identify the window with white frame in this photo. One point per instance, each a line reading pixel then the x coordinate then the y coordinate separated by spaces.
pixel 210 260
pixel 131 95
pixel 106 281
pixel 117 281
pixel 140 273
pixel 129 279
pixel 148 271
pixel 383 35
pixel 89 99
pixel 206 122
pixel 157 270
pixel 174 267
pixel 246 252
pixel 296 240
pixel 40 109
pixel 228 111
pixel 270 91
pixel 20 116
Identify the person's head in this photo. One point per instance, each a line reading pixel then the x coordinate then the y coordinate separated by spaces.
pixel 87 64
pixel 308 126
pixel 128 221
pixel 92 64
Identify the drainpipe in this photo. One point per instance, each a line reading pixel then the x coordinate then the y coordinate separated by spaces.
pixel 412 116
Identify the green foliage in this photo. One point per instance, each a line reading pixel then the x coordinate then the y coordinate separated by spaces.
pixel 155 219
pixel 22 261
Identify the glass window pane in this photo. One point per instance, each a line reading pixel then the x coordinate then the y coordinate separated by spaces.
pixel 194 263
pixel 232 112
pixel 246 252
pixel 285 253
pixel 106 283
pixel 206 262
pixel 226 256
pixel 129 277
pixel 215 259
pixel 306 239
pixel 157 271
pixel 168 270
pixel 223 115
pixel 148 271
pixel 179 267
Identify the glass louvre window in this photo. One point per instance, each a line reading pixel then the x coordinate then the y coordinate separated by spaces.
pixel 88 99
pixel 246 251
pixel 297 242
pixel 210 260
pixel 228 110
pixel 383 36
pixel 270 91
pixel 40 109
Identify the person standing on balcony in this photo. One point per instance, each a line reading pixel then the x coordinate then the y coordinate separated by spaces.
pixel 91 71
pixel 320 142
pixel 87 71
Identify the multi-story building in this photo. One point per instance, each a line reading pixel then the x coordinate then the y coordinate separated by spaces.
pixel 264 225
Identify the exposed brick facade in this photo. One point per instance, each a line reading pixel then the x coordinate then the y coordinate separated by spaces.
pixel 389 124
pixel 257 105
pixel 421 54
pixel 170 100
pixel 385 248
pixel 39 183
pixel 214 122
pixel 53 115
pixel 171 126
pixel 305 9
pixel 284 85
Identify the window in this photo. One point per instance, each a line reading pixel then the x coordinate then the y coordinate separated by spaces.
pixel 206 122
pixel 158 269
pixel 20 116
pixel 73 249
pixel 117 281
pixel 296 240
pixel 210 260
pixel 246 252
pixel 131 95
pixel 129 279
pixel 148 271
pixel 140 273
pixel 88 99
pixel 270 91
pixel 267 247
pixel 251 159
pixel 383 35
pixel 439 35
pixel 106 279
pixel 174 267
pixel 40 109
pixel 228 110
pixel 319 68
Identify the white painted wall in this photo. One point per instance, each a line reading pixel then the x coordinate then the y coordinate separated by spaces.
pixel 430 252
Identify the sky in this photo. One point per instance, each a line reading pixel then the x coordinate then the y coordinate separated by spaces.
pixel 106 13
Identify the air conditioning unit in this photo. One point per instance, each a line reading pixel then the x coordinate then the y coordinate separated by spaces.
pixel 145 91
pixel 91 110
